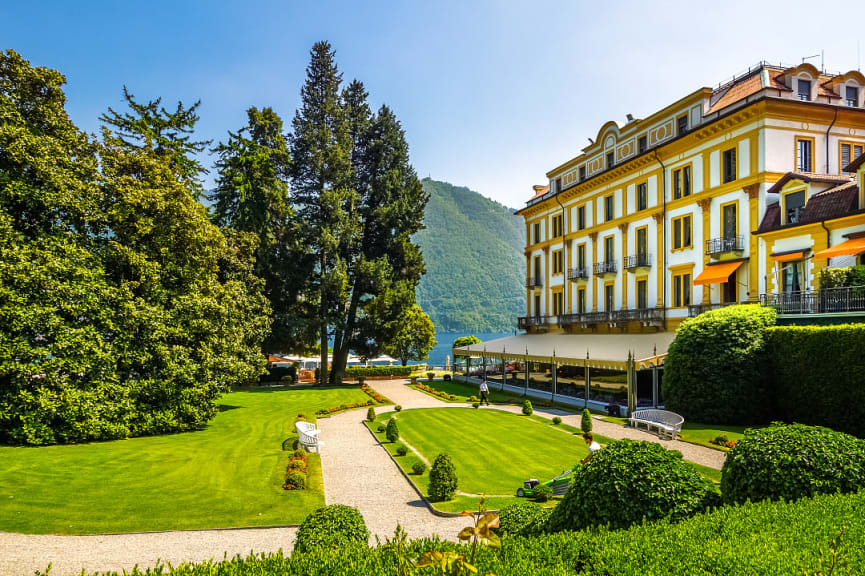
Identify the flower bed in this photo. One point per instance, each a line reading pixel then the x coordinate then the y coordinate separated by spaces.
pixel 295 472
pixel 435 392
pixel 375 398
pixel 722 440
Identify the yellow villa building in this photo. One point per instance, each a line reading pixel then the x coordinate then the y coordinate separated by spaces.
pixel 740 193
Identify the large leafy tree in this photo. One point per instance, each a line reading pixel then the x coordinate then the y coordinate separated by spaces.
pixel 359 201
pixel 251 195
pixel 123 309
pixel 414 338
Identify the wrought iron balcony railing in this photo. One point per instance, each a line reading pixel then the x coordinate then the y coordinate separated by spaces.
pixel 578 274
pixel 525 322
pixel 608 267
pixel 534 282
pixel 646 315
pixel 638 261
pixel 726 244
pixel 697 309
pixel 826 301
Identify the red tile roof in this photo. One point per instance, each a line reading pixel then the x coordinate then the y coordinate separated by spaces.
pixel 539 191
pixel 835 202
pixel 808 177
pixel 855 164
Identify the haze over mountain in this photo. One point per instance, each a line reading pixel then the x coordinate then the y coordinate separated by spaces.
pixel 475 266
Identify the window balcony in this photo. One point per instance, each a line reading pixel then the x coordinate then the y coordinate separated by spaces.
pixel 578 274
pixel 637 261
pixel 651 316
pixel 602 268
pixel 538 323
pixel 827 301
pixel 717 246
pixel 534 282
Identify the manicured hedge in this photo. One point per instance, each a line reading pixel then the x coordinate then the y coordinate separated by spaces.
pixel 764 539
pixel 716 369
pixel 331 527
pixel 819 375
pixel 373 371
pixel 791 462
pixel 628 481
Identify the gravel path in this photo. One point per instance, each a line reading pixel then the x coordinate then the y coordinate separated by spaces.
pixel 357 471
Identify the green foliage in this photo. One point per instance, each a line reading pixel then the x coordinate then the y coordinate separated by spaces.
pixel 392 430
pixel 414 337
pixel 628 481
pixel 442 479
pixel 372 371
pixel 586 421
pixel 296 465
pixel 476 404
pixel 295 480
pixel 791 462
pixel 542 493
pixel 397 408
pixel 716 371
pixel 557 420
pixel 527 408
pixel 527 519
pixel 401 450
pixel 841 277
pixel 418 468
pixel 467 231
pixel 466 341
pixel 763 539
pixel 123 310
pixel 370 414
pixel 331 527
pixel 825 392
pixel 381 428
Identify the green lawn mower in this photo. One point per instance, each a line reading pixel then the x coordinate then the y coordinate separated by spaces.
pixel 559 484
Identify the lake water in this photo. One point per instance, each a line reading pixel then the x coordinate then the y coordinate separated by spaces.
pixel 445 342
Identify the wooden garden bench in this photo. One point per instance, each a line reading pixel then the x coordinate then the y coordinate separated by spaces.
pixel 308 435
pixel 667 423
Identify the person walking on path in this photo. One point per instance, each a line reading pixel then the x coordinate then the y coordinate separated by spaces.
pixel 593 446
pixel 485 393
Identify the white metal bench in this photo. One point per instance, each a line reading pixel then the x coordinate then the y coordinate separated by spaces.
pixel 666 422
pixel 308 435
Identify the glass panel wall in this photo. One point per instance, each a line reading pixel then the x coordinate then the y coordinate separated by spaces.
pixel 571 382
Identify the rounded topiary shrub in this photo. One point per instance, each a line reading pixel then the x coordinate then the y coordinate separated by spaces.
pixel 542 493
pixel 297 464
pixel 331 526
pixel 418 468
pixel 628 481
pixel 586 421
pixel 790 462
pixel 716 368
pixel 370 414
pixel 442 479
pixel 392 430
pixel 295 480
pixel 398 408
pixel 557 420
pixel 401 450
pixel 381 428
pixel 527 408
pixel 526 519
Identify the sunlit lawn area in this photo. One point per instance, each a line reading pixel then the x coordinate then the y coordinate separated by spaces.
pixel 229 474
pixel 701 434
pixel 493 451
pixel 464 391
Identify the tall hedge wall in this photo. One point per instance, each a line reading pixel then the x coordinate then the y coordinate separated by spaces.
pixel 818 375
pixel 716 371
pixel 371 371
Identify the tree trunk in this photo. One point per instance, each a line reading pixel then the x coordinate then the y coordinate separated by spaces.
pixel 341 344
pixel 323 369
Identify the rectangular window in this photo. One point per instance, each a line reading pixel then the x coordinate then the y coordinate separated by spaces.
pixel 791 276
pixel 581 300
pixel 537 268
pixel 611 160
pixel 729 220
pixel 642 293
pixel 558 184
pixel 849 152
pixel 582 173
pixel 729 165
pixel 682 124
pixel 681 182
pixel 557 303
pixel 804 89
pixel 609 249
pixel 682 290
pixel 642 197
pixel 608 208
pixel 642 241
pixel 609 302
pixel 538 305
pixel 682 232
pixel 804 159
pixel 558 225
pixel 581 217
pixel 581 256
pixel 557 262
pixel 642 144
pixel 852 95
pixel 793 204
pixel 537 232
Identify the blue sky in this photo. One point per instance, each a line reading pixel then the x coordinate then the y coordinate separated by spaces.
pixel 491 94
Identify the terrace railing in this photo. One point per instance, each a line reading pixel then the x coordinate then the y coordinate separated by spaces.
pixel 607 267
pixel 826 301
pixel 578 274
pixel 697 309
pixel 638 261
pixel 534 282
pixel 646 315
pixel 716 246
pixel 525 322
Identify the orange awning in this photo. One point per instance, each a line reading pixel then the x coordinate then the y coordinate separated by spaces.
pixel 787 257
pixel 717 273
pixel 846 248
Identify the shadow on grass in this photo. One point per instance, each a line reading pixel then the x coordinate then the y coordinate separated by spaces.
pixel 271 389
pixel 227 407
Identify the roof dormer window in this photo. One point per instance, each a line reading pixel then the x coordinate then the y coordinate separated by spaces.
pixel 852 95
pixel 804 90
pixel 793 205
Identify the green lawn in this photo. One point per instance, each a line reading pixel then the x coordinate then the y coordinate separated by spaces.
pixel 463 391
pixel 701 434
pixel 229 474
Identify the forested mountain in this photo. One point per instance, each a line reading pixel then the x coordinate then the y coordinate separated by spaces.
pixel 475 266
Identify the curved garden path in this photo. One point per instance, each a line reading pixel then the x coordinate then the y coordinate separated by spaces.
pixel 357 472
